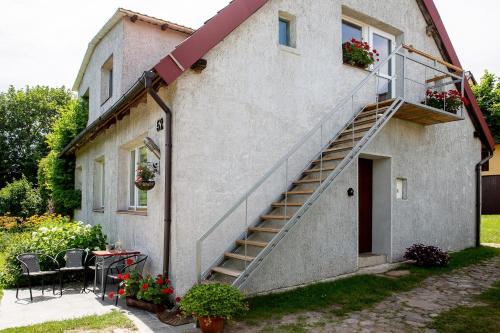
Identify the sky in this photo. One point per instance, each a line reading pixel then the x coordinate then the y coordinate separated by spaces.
pixel 43 42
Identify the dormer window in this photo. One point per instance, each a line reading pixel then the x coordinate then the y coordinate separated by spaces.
pixel 107 80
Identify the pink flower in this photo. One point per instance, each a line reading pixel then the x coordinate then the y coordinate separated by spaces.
pixel 111 295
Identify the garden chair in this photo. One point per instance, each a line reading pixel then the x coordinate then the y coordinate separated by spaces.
pixel 137 263
pixel 91 265
pixel 30 265
pixel 74 261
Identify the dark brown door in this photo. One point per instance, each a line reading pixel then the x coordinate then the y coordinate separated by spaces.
pixel 365 183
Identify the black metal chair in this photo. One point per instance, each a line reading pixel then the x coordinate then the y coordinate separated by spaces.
pixel 31 268
pixel 74 261
pixel 124 265
pixel 92 265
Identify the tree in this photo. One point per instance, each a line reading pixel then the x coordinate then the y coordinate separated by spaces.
pixel 56 174
pixel 20 198
pixel 26 116
pixel 487 93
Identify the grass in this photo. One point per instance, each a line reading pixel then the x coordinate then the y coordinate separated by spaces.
pixel 477 319
pixel 490 229
pixel 113 319
pixel 354 293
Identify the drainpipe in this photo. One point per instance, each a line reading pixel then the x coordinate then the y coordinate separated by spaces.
pixel 478 197
pixel 167 223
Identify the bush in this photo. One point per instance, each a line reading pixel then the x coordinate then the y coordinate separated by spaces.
pixel 427 256
pixel 55 235
pixel 18 224
pixel 213 300
pixel 19 198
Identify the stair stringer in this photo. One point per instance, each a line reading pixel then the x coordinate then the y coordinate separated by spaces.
pixel 344 164
pixel 322 245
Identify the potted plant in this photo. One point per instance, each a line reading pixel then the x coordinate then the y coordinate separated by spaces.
pixel 145 175
pixel 146 293
pixel 445 100
pixel 211 304
pixel 359 54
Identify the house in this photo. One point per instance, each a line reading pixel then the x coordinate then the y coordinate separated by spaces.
pixel 491 184
pixel 279 164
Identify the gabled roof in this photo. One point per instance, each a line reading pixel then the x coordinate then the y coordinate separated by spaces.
pixel 238 11
pixel 120 14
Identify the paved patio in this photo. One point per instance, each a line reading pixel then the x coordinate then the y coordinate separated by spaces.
pixel 72 304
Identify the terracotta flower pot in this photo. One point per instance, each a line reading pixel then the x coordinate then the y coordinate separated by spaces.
pixel 138 304
pixel 211 325
pixel 145 185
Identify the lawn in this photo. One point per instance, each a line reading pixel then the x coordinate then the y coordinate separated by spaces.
pixel 490 229
pixel 354 293
pixel 478 319
pixel 111 320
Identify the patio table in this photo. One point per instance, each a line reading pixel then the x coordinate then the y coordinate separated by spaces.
pixel 102 255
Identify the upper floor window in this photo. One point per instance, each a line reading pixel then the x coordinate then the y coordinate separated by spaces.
pixel 107 80
pixel 286 24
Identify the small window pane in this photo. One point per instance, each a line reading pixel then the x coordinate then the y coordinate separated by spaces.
pixel 350 31
pixel 384 47
pixel 284 32
pixel 142 195
pixel 401 188
pixel 132 178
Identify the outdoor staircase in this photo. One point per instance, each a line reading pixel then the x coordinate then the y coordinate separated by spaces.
pixel 341 149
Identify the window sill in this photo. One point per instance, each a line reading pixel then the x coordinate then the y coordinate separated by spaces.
pixel 361 69
pixel 98 210
pixel 289 49
pixel 133 212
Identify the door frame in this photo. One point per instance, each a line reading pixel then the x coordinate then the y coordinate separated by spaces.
pixel 392 38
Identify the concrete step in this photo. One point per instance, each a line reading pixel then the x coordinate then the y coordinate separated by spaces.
pixel 370 259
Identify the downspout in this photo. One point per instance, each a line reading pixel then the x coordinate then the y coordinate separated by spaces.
pixel 167 223
pixel 479 197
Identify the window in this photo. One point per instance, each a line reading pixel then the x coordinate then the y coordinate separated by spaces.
pixel 99 184
pixel 286 25
pixel 402 188
pixel 350 31
pixel 107 80
pixel 138 199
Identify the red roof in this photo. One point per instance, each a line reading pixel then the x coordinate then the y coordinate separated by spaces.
pixel 238 11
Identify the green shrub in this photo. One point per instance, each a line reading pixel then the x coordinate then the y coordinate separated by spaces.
pixel 213 300
pixel 55 235
pixel 20 198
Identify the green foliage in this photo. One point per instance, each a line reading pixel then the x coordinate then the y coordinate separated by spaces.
pixel 26 116
pixel 490 229
pixel 19 198
pixel 55 234
pixel 487 94
pixel 56 174
pixel 213 300
pixel 358 53
pixel 155 290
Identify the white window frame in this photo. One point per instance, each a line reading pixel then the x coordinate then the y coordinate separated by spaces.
pixel 132 189
pixel 367 32
pixel 100 187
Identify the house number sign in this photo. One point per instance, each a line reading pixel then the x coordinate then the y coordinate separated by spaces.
pixel 159 125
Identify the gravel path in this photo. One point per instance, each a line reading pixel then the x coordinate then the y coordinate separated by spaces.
pixel 410 311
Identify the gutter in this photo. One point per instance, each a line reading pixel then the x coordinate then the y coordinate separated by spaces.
pixel 149 76
pixel 479 196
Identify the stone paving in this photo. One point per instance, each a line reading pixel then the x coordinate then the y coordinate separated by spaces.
pixel 410 311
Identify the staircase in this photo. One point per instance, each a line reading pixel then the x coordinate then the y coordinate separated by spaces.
pixel 337 149
pixel 336 156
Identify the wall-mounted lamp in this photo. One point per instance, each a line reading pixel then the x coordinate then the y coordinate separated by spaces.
pixel 152 146
pixel 350 192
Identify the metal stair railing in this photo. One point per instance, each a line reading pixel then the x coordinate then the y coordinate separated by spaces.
pixel 319 138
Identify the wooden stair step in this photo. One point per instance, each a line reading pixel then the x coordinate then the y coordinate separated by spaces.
pixel 319 169
pixel 275 217
pixel 365 122
pixel 308 181
pixel 267 230
pixel 335 150
pixel 251 243
pixel 238 256
pixel 359 128
pixel 299 192
pixel 226 271
pixel 366 114
pixel 346 138
pixel 383 104
pixel 288 204
pixel 329 159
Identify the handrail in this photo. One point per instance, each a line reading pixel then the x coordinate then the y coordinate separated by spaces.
pixel 431 57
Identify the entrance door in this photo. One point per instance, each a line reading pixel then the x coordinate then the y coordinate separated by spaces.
pixel 365 188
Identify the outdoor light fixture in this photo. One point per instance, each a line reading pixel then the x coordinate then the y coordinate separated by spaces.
pixel 350 192
pixel 152 146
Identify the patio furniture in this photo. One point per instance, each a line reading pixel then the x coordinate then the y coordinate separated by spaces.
pixel 138 262
pixel 74 261
pixel 30 265
pixel 104 258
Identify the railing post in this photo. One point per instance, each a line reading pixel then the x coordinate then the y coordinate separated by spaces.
pixel 404 76
pixel 198 261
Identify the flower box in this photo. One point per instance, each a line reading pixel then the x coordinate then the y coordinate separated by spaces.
pixel 138 304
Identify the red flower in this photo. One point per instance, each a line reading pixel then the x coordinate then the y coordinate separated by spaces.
pixel 119 276
pixel 121 291
pixel 353 40
pixel 159 280
pixel 126 276
pixel 111 295
pixel 374 51
pixel 167 281
pixel 130 262
pixel 167 291
pixel 178 299
pixel 145 286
